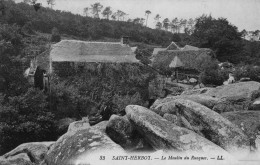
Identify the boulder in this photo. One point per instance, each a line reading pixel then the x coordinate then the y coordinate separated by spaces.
pixel 214 127
pixel 196 91
pixel 36 151
pixel 167 105
pixel 255 105
pixel 120 130
pixel 248 121
pixel 231 104
pixel 19 159
pixel 79 125
pixel 171 118
pixel 163 135
pixel 205 100
pixel 101 126
pixel 239 90
pixel 80 146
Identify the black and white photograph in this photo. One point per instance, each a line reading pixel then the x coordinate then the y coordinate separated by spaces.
pixel 129 82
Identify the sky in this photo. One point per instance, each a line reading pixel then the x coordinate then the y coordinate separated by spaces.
pixel 242 13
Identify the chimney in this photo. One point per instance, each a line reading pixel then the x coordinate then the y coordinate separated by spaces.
pixel 125 40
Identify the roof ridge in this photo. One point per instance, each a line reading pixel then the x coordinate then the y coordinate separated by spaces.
pixel 91 42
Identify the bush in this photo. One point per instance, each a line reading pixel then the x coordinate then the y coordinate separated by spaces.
pixel 123 101
pixel 250 71
pixel 25 118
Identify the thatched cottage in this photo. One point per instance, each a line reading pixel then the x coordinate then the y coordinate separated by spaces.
pixel 73 53
pixel 191 57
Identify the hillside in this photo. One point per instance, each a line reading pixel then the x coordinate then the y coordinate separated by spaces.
pixel 85 28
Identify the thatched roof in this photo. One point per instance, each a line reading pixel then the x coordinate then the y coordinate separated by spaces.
pixel 191 59
pixel 173 46
pixel 176 63
pixel 156 50
pixel 81 51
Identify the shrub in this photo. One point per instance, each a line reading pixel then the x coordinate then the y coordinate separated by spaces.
pixel 123 101
pixel 25 118
pixel 250 71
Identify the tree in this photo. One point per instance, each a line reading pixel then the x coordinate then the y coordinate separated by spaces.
pixel 51 3
pixel 166 23
pixel 55 36
pixel 174 25
pixel 36 5
pixel 218 35
pixel 113 16
pixel 157 18
pixel 147 13
pixel 244 33
pixel 142 21
pixel 86 11
pixel 107 12
pixel 183 23
pixel 120 15
pixel 158 25
pixel 96 8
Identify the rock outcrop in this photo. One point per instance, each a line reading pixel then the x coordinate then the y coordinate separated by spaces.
pixel 27 153
pixel 78 125
pixel 167 105
pixel 248 121
pixel 20 159
pixel 120 130
pixel 163 135
pixel 240 90
pixel 255 105
pixel 171 118
pixel 82 144
pixel 214 127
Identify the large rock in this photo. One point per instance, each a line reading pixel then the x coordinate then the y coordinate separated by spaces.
pixel 101 126
pixel 196 91
pixel 163 135
pixel 240 90
pixel 255 105
pixel 171 118
pixel 81 145
pixel 230 104
pixel 120 130
pixel 167 105
pixel 79 125
pixel 36 151
pixel 19 159
pixel 248 121
pixel 214 127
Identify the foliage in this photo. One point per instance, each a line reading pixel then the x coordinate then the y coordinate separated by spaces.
pixel 24 112
pixel 84 27
pixel 219 35
pixel 25 118
pixel 212 75
pixel 122 101
pixel 55 36
pixel 250 71
pixel 87 88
